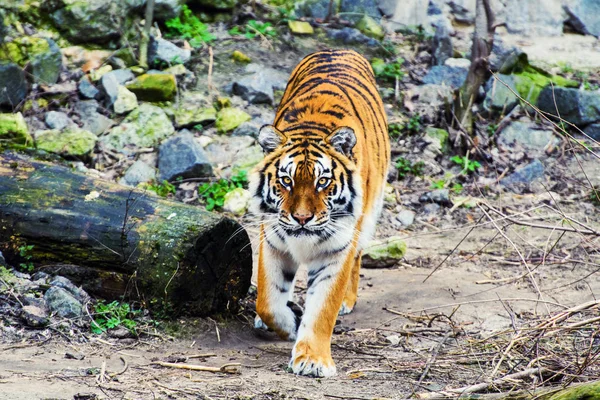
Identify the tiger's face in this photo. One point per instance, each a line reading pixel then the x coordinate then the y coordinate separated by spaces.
pixel 309 184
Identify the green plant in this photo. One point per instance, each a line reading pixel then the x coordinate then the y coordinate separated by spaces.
pixel 161 188
pixel 414 124
pixel 457 188
pixel 25 253
pixel 438 184
pixel 406 167
pixel 566 68
pixel 395 130
pixel 491 129
pixel 466 164
pixel 214 193
pixel 595 197
pixel 388 71
pixel 112 315
pixel 422 35
pixel 188 26
pixel 254 28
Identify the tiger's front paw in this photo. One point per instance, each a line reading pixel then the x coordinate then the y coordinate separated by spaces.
pixel 312 361
pixel 345 309
pixel 284 321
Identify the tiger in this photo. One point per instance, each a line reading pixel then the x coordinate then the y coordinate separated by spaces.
pixel 318 193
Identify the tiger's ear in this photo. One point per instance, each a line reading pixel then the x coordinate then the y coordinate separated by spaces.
pixel 343 140
pixel 270 138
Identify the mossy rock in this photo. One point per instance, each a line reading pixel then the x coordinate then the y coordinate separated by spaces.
pixel 230 118
pixel 301 27
pixel 14 129
pixel 68 142
pixel 185 117
pixel 384 254
pixel 41 55
pixel 586 391
pixel 154 87
pixel 240 57
pixel 531 81
pixel 370 27
pixel 438 134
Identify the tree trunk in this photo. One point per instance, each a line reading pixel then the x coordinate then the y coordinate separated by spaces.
pixel 483 39
pixel 145 36
pixel 118 241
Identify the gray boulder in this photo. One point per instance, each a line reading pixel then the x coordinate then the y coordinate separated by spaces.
pixel 61 302
pixel 111 81
pixel 252 127
pixel 91 119
pixel 312 8
pixel 161 50
pixel 182 156
pixel 64 283
pixel 498 97
pixel 461 13
pixel 258 87
pixel 349 35
pixel 593 131
pixel 580 107
pixel 528 136
pixel 405 15
pixel 534 17
pixel 438 196
pixel 442 45
pixel 523 177
pixel 35 316
pixel 355 9
pixel 87 89
pixel 446 75
pixel 584 16
pixel 58 120
pixel 13 85
pixel 139 172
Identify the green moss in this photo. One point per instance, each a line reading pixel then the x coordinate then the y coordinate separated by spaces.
pixel 230 118
pixel 439 134
pixel 154 87
pixel 69 142
pixel 188 117
pixel 393 248
pixel 588 391
pixel 370 27
pixel 14 129
pixel 530 82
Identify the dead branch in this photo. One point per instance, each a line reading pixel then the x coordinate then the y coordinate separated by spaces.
pixel 230 368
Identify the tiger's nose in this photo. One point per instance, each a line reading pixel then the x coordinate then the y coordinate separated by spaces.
pixel 302 218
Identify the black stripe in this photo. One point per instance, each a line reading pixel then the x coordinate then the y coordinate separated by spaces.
pixel 288 276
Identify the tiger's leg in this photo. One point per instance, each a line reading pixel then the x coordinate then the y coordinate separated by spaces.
pixel 352 289
pixel 274 306
pixel 327 284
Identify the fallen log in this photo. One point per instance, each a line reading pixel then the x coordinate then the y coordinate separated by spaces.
pixel 116 241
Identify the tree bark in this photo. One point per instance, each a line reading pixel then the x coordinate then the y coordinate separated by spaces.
pixel 145 36
pixel 117 241
pixel 483 40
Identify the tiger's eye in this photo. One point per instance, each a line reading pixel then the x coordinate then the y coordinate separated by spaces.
pixel 323 181
pixel 286 180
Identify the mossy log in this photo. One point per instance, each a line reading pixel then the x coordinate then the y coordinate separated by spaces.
pixel 117 241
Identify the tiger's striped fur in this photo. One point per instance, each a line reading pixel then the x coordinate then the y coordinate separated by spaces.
pixel 320 192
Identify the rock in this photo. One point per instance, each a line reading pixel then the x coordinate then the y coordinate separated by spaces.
pixel 76 292
pixel 442 45
pixel 524 176
pixel 87 89
pixel 498 97
pixel 145 126
pixel 166 9
pixel 41 56
pixel 593 131
pixel 529 136
pixel 2 260
pixel 431 209
pixel 139 172
pixel 126 101
pixel 438 196
pixel 237 201
pixel 234 154
pixel 14 128
pixel 370 27
pixel 154 87
pixel 58 120
pixel 72 141
pixel 504 57
pixel 251 128
pixel 163 51
pixel 446 75
pixel 314 8
pixel 382 254
pixel 121 76
pixel 182 156
pixel 216 4
pixel 61 302
pixel 185 78
pixel 583 16
pixel 188 117
pixel 298 28
pixel 230 118
pixel 437 139
pixel 13 85
pixel 97 74
pixel 461 13
pixel 393 339
pixel 404 15
pixel 243 58
pixel 91 119
pixel 97 21
pixel 580 107
pixel 34 316
pixel 257 87
pixel 534 17
pixel 406 218
pixel 349 35
pixel 112 80
pixel 353 9
pixel 429 101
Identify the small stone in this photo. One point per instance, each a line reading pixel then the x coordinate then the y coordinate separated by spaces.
pixel 438 138
pixel 139 172
pixel 406 218
pixel 524 176
pixel 370 27
pixel 301 27
pixel 120 333
pixel 257 87
pixel 185 78
pixel 121 76
pixel 498 97
pixel 182 156
pixel 154 87
pixel 431 209
pixel 230 118
pixel 385 253
pixel 71 141
pixel 58 120
pixel 240 57
pixel 528 136
pixel 92 120
pixel 41 56
pixel 445 75
pixel 393 339
pixel 13 84
pixel 97 74
pixel 126 101
pixel 62 282
pixel 87 89
pixel 185 117
pixel 349 36
pixel 237 201
pixel 593 131
pixel 439 196
pixel 14 128
pixel 34 316
pixel 161 50
pixel 63 303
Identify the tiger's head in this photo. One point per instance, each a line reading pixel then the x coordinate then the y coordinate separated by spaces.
pixel 308 181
